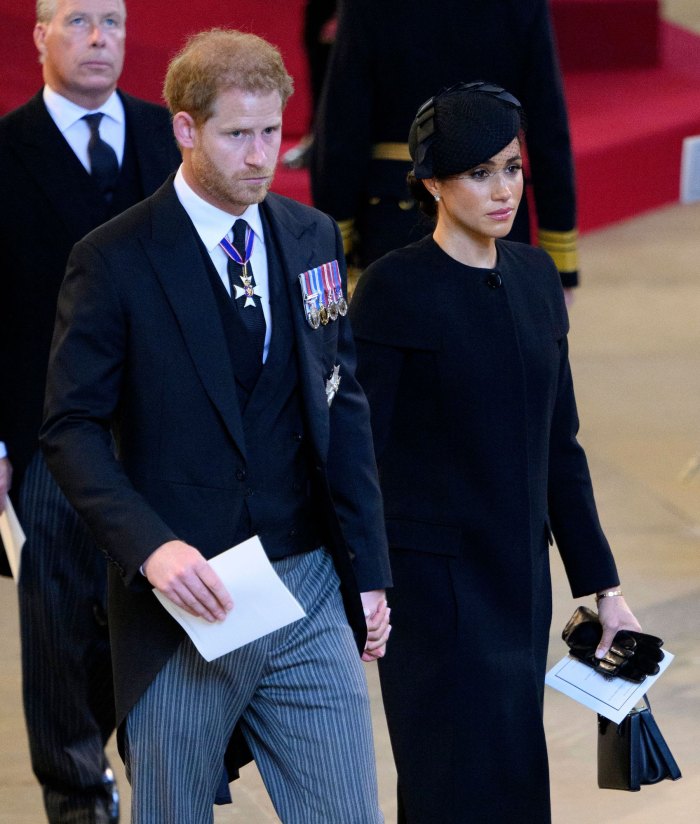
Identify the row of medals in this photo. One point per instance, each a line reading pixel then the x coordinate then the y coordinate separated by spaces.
pixel 336 306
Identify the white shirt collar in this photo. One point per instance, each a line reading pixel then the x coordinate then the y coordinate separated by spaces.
pixel 65 113
pixel 211 222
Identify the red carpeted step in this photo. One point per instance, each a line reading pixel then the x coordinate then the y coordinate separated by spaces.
pixel 606 34
pixel 627 130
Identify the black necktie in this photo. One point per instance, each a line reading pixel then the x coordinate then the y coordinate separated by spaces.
pixel 248 305
pixel 104 166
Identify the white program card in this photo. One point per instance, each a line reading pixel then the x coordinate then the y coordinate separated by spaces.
pixel 12 537
pixel 610 697
pixel 261 602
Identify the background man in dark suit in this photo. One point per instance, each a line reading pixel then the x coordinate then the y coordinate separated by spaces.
pixel 57 182
pixel 182 332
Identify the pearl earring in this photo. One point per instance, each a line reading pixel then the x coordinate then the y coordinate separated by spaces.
pixel 437 198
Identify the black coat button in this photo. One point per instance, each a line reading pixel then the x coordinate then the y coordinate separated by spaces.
pixel 240 474
pixel 494 280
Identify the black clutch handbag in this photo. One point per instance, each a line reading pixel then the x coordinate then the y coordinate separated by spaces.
pixel 634 752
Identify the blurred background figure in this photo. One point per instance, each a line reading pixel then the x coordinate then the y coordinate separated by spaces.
pixel 319 34
pixel 388 58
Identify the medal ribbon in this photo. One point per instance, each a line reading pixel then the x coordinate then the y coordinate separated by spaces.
pixel 337 283
pixel 327 281
pixel 315 276
pixel 308 288
pixel 233 253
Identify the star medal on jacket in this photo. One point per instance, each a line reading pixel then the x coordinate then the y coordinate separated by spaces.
pixel 322 294
pixel 333 384
pixel 248 288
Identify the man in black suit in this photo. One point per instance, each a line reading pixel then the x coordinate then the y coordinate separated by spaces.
pixel 60 176
pixel 204 331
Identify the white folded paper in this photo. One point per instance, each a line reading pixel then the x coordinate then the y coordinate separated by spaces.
pixel 610 697
pixel 261 602
pixel 12 537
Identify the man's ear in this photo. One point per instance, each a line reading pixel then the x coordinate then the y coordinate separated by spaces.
pixel 39 35
pixel 185 129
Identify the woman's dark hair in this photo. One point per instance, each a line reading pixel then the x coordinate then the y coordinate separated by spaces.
pixel 426 202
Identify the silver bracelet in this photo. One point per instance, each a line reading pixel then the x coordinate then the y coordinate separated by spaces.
pixel 609 593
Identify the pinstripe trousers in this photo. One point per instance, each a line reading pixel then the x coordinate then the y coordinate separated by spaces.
pixel 301 698
pixel 66 666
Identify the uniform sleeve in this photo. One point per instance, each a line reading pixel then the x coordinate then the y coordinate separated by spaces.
pixel 342 133
pixel 549 149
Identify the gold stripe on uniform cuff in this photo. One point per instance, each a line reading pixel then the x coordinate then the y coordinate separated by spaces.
pixel 562 248
pixel 391 151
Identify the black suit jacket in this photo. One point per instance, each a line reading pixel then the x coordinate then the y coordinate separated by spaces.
pixel 139 350
pixel 47 203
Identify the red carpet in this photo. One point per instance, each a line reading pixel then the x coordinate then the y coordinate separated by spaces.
pixel 633 85
pixel 628 127
pixel 606 34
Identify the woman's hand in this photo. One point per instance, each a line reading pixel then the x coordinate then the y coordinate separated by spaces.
pixel 614 615
pixel 377 615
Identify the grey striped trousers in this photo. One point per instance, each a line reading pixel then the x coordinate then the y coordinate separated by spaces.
pixel 66 664
pixel 301 696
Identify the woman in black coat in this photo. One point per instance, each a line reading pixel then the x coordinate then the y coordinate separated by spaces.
pixel 463 355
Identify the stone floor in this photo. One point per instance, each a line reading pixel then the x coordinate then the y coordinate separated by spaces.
pixel 635 350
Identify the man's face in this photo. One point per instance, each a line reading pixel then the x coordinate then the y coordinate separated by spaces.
pixel 82 49
pixel 230 159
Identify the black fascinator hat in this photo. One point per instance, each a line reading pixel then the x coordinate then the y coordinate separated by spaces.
pixel 462 126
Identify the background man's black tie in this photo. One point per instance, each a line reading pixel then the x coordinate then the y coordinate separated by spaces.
pixel 104 166
pixel 251 316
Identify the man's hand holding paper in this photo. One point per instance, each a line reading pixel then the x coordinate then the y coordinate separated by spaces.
pixel 183 574
pixel 262 602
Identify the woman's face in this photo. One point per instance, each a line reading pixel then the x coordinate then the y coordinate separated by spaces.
pixel 482 202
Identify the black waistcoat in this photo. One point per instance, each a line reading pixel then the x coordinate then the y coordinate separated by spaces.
pixel 280 503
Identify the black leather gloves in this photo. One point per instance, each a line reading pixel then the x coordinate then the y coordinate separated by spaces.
pixel 633 655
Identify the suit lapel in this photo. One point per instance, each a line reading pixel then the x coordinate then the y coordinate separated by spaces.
pixel 178 264
pixel 297 244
